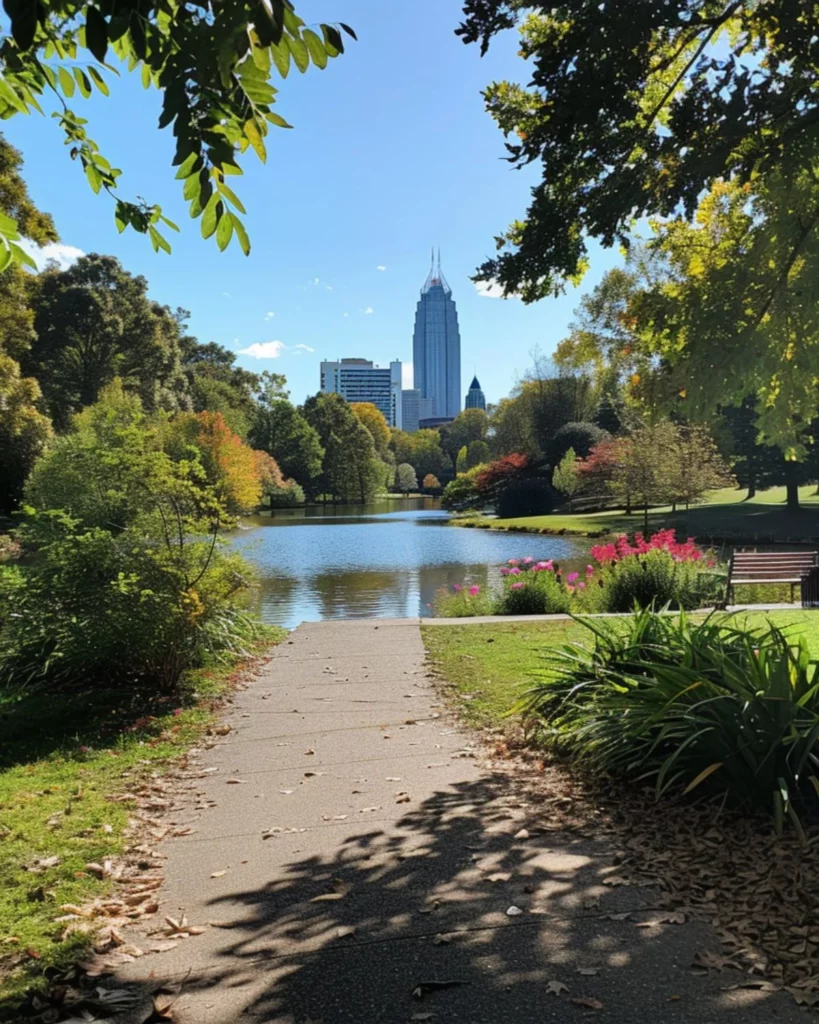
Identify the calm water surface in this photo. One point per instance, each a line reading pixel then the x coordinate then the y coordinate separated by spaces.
pixel 373 561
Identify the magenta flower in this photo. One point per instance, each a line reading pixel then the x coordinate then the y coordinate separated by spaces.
pixel 505 571
pixel 513 561
pixel 527 560
pixel 517 586
pixel 572 577
pixel 456 587
pixel 589 571
pixel 581 585
pixel 474 590
pixel 514 572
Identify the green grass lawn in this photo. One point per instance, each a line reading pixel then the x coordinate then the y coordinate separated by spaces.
pixel 726 516
pixel 62 757
pixel 489 665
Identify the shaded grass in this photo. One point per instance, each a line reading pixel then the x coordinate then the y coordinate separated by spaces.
pixel 488 666
pixel 726 516
pixel 63 756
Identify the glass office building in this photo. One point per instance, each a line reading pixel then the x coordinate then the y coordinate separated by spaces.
pixel 358 380
pixel 436 346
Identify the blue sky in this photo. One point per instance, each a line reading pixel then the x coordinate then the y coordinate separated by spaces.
pixel 391 153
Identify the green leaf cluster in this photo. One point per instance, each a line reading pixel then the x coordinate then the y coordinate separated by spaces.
pixel 213 66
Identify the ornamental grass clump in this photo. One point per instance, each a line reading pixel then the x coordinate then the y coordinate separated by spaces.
pixel 709 709
pixel 657 571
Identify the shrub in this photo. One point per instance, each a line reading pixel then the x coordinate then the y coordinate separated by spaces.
pixel 531 496
pixel 538 592
pixel 582 437
pixel 288 494
pixel 463 492
pixel 706 708
pixel 431 482
pixel 658 571
pixel 128 578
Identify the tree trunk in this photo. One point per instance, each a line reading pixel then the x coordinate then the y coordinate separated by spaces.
pixel 645 519
pixel 751 490
pixel 628 505
pixel 791 485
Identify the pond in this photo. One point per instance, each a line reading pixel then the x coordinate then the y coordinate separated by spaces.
pixel 383 560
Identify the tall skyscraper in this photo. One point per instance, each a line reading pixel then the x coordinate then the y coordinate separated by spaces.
pixel 475 398
pixel 436 345
pixel 358 380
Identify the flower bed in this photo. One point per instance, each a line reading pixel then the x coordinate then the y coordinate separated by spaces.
pixel 657 571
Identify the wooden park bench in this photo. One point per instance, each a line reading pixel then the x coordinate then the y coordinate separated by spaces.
pixel 756 567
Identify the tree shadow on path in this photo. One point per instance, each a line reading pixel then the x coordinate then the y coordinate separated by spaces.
pixel 475 886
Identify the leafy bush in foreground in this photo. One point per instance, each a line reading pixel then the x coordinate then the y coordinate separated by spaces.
pixel 707 708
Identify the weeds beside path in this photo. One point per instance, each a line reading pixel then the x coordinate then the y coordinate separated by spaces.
pixel 63 757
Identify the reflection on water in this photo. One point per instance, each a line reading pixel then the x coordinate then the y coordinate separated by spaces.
pixel 387 559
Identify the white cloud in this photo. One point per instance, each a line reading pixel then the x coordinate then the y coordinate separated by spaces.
pixel 406 375
pixel 492 290
pixel 346 314
pixel 235 341
pixel 368 310
pixel 63 255
pixel 303 348
pixel 380 267
pixel 329 287
pixel 269 316
pixel 316 280
pixel 264 349
pixel 226 294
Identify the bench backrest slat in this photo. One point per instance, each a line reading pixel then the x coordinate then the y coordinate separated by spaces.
pixel 770 566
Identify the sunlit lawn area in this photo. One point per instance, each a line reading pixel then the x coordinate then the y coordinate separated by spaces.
pixel 62 757
pixel 489 665
pixel 726 515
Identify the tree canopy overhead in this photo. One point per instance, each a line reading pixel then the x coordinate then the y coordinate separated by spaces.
pixel 635 107
pixel 213 64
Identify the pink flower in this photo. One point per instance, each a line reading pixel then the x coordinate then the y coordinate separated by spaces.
pixel 177 712
pixel 572 577
pixel 474 590
pixel 513 561
pixel 581 585
pixel 589 571
pixel 505 571
pixel 517 586
pixel 527 560
pixel 570 588
pixel 83 750
pixel 456 587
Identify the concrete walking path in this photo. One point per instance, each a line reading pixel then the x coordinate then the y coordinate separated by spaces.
pixel 357 855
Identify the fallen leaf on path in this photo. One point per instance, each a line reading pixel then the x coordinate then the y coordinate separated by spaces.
pixel 345 931
pixel 393 778
pixel 218 874
pixel 500 876
pixel 309 751
pixel 285 792
pixel 423 988
pixel 327 897
pixel 587 1003
pixel 222 730
pixel 163 947
pixel 513 912
pixel 367 810
pixel 522 834
pixel 402 798
pixel 235 782
pixel 554 988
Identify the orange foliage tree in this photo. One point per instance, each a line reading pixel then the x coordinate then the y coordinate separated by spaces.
pixel 235 471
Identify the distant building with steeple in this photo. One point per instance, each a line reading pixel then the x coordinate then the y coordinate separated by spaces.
pixel 475 398
pixel 436 346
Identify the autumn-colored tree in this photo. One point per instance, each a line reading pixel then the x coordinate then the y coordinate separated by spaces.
pixel 233 469
pixel 270 475
pixel 595 472
pixel 499 472
pixel 373 419
pixel 431 482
